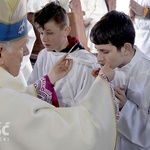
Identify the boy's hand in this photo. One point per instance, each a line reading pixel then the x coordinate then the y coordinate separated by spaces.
pixel 110 73
pixel 120 95
pixel 60 69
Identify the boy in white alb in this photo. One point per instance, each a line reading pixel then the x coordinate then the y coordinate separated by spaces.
pixel 53 24
pixel 113 37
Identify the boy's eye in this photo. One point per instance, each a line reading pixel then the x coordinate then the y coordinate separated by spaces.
pixel 41 33
pixel 105 52
pixel 49 32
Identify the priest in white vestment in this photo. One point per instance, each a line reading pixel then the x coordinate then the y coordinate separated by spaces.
pixel 26 122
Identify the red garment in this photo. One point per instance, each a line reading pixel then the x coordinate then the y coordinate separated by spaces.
pixel 72 41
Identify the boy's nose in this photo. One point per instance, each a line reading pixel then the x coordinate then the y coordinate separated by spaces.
pixel 100 57
pixel 44 38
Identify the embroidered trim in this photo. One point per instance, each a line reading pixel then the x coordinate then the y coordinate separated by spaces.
pixel 42 92
pixel 116 102
pixel 104 76
pixel 45 91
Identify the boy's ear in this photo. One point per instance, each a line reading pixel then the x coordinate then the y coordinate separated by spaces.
pixel 127 49
pixel 67 30
pixel 1 59
pixel 1 49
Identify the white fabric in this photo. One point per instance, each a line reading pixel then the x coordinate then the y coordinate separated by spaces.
pixel 26 66
pixel 142 28
pixel 71 88
pixel 36 5
pixel 133 127
pixel 37 125
pixel 94 9
pixel 123 6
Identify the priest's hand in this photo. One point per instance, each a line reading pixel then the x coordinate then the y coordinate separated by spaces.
pixel 60 69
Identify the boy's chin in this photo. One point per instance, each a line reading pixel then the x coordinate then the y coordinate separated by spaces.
pixel 49 49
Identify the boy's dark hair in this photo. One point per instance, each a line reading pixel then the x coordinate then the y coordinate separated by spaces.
pixel 115 28
pixel 52 12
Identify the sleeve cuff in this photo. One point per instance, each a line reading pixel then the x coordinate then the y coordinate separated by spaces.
pixel 146 10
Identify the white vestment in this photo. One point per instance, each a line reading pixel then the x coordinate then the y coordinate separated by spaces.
pixel 28 123
pixel 93 9
pixel 134 124
pixel 142 28
pixel 70 89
